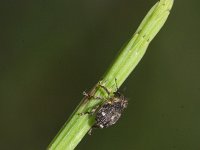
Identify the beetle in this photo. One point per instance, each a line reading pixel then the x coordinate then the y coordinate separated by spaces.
pixel 109 112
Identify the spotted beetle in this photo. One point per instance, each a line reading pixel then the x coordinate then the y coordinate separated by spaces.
pixel 109 112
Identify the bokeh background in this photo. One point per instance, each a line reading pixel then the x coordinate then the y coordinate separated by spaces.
pixel 50 51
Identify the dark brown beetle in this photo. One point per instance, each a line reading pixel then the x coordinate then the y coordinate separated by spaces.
pixel 110 111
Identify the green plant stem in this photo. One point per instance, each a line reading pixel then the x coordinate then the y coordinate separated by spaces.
pixel 77 126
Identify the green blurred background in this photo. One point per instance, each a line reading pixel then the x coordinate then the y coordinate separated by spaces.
pixel 50 51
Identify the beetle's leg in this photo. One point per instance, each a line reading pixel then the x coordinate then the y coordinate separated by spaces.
pixel 103 87
pixel 90 131
pixel 117 88
pixel 91 96
pixel 93 127
pixel 91 112
pixel 85 113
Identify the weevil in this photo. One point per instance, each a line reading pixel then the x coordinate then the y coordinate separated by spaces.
pixel 109 112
